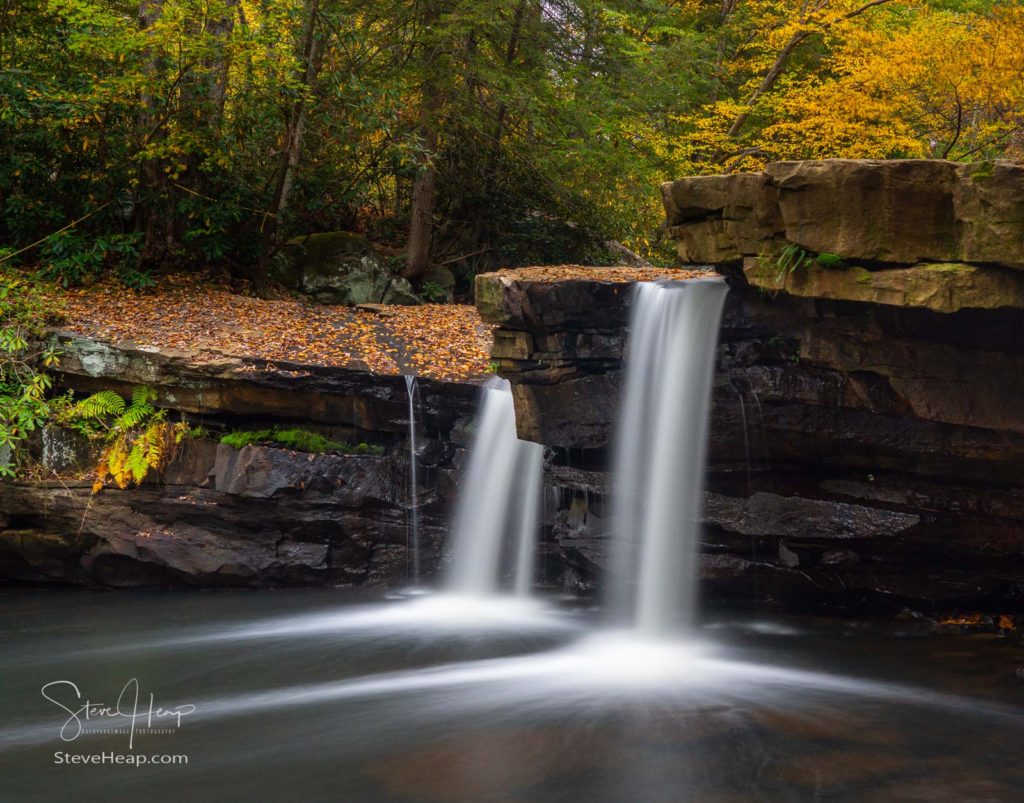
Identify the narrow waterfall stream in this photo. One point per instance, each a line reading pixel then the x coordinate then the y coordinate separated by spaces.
pixel 414 513
pixel 530 479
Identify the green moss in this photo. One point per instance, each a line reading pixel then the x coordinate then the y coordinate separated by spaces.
pixel 827 260
pixel 950 267
pixel 299 440
pixel 983 170
pixel 861 275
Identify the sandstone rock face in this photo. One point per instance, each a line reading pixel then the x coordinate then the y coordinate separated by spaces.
pixel 862 454
pixel 340 268
pixel 942 287
pixel 894 211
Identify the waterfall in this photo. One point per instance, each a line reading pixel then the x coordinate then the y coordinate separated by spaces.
pixel 414 513
pixel 530 479
pixel 661 452
pixel 488 509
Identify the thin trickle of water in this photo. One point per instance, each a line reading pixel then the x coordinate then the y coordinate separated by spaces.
pixel 746 442
pixel 661 451
pixel 414 513
pixel 530 477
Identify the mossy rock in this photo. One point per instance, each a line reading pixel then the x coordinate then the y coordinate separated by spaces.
pixel 441 281
pixel 339 267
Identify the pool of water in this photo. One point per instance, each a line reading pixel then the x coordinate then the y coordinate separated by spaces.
pixel 331 695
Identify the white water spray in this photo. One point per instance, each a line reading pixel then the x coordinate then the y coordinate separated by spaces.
pixel 661 452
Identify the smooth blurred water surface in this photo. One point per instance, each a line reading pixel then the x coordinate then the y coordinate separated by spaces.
pixel 333 696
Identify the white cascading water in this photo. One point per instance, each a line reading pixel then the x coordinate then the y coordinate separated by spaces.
pixel 530 479
pixel 490 509
pixel 662 450
pixel 414 514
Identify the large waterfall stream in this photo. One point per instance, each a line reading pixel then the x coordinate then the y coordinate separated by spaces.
pixel 477 693
pixel 660 455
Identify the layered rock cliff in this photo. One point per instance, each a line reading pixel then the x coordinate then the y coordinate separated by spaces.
pixel 868 428
pixel 220 516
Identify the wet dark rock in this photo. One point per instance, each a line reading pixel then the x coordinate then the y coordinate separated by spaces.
pixel 270 517
pixel 861 455
pixel 219 516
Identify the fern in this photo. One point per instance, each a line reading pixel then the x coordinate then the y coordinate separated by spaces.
pixel 135 416
pixel 100 405
pixel 154 443
pixel 143 395
pixel 139 438
pixel 136 462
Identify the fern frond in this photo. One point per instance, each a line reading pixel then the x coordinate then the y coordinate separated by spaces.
pixel 135 463
pixel 134 416
pixel 154 441
pixel 143 395
pixel 117 456
pixel 100 405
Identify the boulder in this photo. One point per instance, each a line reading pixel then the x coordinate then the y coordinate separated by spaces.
pixel 441 281
pixel 340 268
pixel 898 211
pixel 719 218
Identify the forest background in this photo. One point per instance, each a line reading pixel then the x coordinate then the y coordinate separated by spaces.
pixel 202 135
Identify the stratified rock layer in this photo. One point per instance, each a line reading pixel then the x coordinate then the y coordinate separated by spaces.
pixel 861 453
pixel 941 287
pixel 219 516
pixel 897 212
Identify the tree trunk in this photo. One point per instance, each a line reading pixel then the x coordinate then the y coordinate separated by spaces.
pixel 152 217
pixel 421 213
pixel 309 50
pixel 421 222
pixel 201 107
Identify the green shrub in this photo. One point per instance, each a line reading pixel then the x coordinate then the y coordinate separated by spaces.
pixel 24 358
pixel 433 292
pixel 73 258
